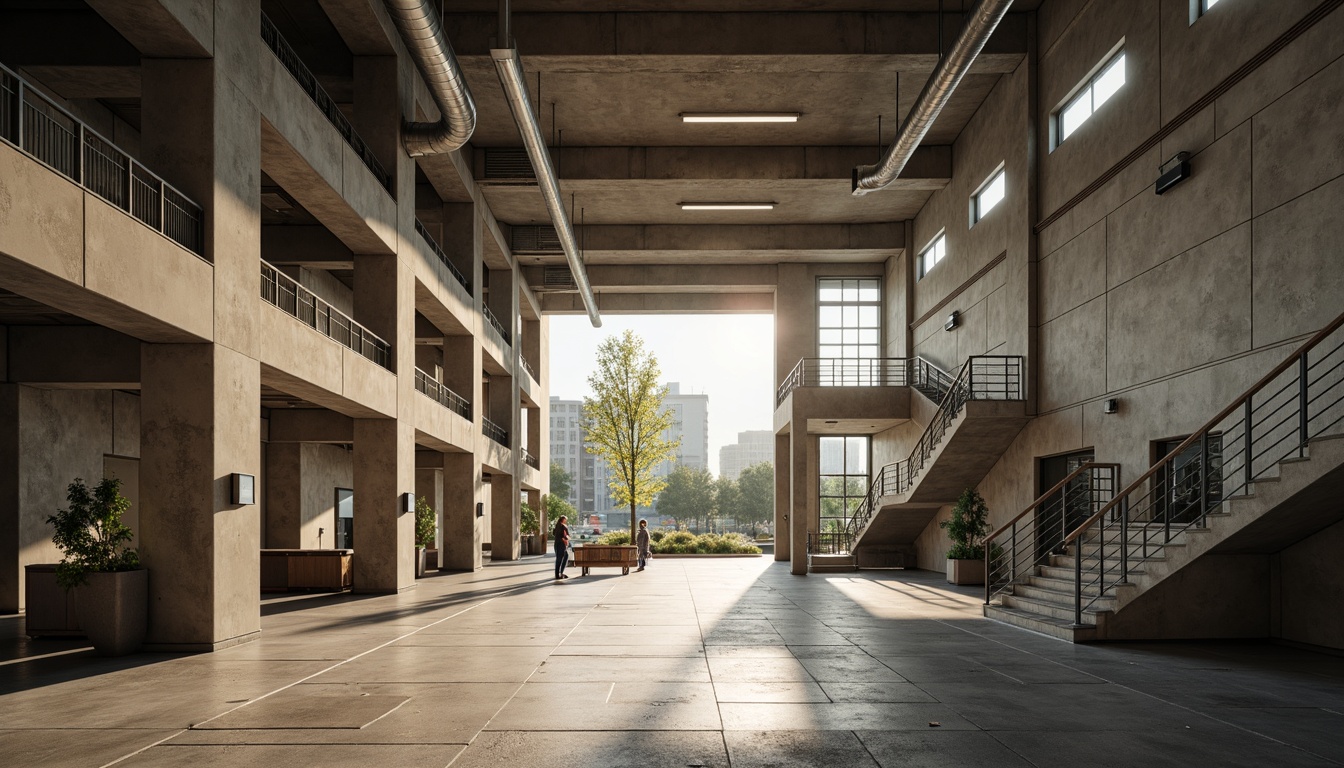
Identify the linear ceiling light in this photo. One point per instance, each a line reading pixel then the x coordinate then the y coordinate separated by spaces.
pixel 739 117
pixel 728 206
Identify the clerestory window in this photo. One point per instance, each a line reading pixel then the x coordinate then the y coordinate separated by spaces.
pixel 1091 94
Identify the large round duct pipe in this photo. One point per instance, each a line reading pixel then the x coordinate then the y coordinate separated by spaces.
pixel 510 70
pixel 937 91
pixel 421 30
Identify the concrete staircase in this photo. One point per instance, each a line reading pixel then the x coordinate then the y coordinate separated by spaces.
pixel 838 563
pixel 1272 513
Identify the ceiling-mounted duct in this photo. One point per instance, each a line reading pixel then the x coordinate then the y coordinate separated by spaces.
pixel 421 30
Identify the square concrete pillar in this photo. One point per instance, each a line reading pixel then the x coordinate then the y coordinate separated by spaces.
pixel 284 496
pixel 461 548
pixel 783 497
pixel 11 569
pixel 504 517
pixel 384 463
pixel 198 426
pixel 802 489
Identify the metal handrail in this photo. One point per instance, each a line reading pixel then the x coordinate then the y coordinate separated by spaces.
pixel 284 293
pixel 529 459
pixel 494 323
pixel 527 366
pixel 828 542
pixel 427 385
pixel 41 129
pixel 495 432
pixel 982 377
pixel 443 257
pixel 325 104
pixel 1015 548
pixel 845 372
pixel 1300 399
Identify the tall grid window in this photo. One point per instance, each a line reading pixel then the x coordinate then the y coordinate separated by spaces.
pixel 844 479
pixel 1098 89
pixel 849 318
pixel 933 254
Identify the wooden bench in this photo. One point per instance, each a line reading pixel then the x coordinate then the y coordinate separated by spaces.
pixel 623 556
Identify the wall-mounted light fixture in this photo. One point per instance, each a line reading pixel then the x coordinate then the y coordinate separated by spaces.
pixel 244 489
pixel 953 320
pixel 762 206
pixel 1110 406
pixel 1173 172
pixel 740 117
pixel 408 502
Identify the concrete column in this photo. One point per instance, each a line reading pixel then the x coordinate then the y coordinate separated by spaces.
pixel 384 463
pixel 378 108
pixel 795 318
pixel 504 517
pixel 284 496
pixel 11 569
pixel 783 498
pixel 533 443
pixel 198 426
pixel 802 466
pixel 461 549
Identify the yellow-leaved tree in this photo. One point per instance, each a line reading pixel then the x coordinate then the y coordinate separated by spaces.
pixel 626 421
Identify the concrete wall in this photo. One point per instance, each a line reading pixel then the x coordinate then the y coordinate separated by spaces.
pixel 301 483
pixel 1310 590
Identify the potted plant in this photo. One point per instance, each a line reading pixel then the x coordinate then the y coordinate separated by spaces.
pixel 110 589
pixel 529 526
pixel 967 529
pixel 425 528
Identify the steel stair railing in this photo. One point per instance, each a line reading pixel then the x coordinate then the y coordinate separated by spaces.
pixel 1300 399
pixel 1016 548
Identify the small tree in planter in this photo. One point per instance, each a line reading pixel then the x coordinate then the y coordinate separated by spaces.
pixel 529 525
pixel 967 529
pixel 111 589
pixel 425 528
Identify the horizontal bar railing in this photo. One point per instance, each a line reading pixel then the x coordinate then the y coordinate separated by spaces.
pixel 285 293
pixel 494 323
pixel 983 377
pixel 828 542
pixel 443 257
pixel 49 134
pixel 427 385
pixel 845 372
pixel 495 432
pixel 530 460
pixel 1299 400
pixel 527 366
pixel 1015 549
pixel 308 82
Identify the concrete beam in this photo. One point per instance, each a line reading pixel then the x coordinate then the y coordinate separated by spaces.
pixel 85 39
pixel 804 33
pixel 929 169
pixel 662 303
pixel 311 425
pixel 167 29
pixel 305 246
pixel 75 357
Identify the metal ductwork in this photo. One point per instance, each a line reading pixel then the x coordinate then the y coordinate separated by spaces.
pixel 421 30
pixel 510 69
pixel 944 80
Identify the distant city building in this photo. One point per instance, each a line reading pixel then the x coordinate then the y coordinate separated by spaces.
pixel 567 449
pixel 754 446
pixel 690 423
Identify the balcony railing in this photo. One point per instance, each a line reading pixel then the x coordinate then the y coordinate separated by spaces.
pixel 308 82
pixel 443 257
pixel 55 138
pixel 498 326
pixel 846 372
pixel 436 391
pixel 528 367
pixel 530 460
pixel 283 292
pixel 495 432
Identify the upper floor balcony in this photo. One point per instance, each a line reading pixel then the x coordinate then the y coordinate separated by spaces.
pixel 284 293
pixel 49 134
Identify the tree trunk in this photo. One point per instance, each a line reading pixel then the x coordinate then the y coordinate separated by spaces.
pixel 632 522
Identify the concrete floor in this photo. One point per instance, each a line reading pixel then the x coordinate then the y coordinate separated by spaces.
pixel 691 663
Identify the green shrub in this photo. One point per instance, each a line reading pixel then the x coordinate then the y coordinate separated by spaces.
pixel 615 537
pixel 764 537
pixel 684 543
pixel 657 536
pixel 530 521
pixel 90 533
pixel 425 525
pixel 967 527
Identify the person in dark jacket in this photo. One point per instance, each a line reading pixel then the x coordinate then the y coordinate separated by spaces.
pixel 561 536
pixel 642 543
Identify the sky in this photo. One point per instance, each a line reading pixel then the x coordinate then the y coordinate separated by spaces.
pixel 728 357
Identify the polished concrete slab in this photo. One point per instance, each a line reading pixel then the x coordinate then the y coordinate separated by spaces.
pixel 692 663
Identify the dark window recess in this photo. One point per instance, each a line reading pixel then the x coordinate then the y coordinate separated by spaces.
pixel 1183 492
pixel 345 518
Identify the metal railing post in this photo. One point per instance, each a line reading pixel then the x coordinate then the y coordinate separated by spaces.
pixel 1124 538
pixel 1078 582
pixel 1249 442
pixel 1302 403
pixel 1203 477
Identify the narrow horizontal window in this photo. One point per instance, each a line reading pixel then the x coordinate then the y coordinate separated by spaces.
pixel 1097 90
pixel 1199 8
pixel 991 194
pixel 932 254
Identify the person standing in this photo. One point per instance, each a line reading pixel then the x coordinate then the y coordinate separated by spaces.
pixel 561 536
pixel 642 543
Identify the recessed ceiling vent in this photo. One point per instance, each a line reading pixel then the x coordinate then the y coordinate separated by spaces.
pixel 558 277
pixel 508 163
pixel 535 239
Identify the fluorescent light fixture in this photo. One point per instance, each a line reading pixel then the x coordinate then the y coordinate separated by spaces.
pixel 728 206
pixel 739 117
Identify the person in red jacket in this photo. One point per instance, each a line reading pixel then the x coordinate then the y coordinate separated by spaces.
pixel 561 536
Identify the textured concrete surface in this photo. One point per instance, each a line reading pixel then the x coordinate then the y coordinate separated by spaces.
pixel 690 663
